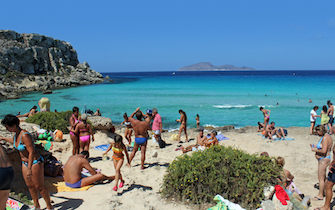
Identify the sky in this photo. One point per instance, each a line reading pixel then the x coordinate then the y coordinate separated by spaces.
pixel 128 36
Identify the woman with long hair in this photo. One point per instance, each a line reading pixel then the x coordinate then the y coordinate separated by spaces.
pixel 32 162
pixel 183 124
pixel 85 132
pixel 129 129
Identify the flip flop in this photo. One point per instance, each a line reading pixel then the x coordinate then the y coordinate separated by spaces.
pixel 142 168
pixel 317 199
pixel 177 149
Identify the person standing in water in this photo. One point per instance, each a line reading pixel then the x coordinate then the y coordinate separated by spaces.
pixel 183 124
pixel 197 120
pixel 266 114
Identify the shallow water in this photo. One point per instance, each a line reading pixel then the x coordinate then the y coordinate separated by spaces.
pixel 220 98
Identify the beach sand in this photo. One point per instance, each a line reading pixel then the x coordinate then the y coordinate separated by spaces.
pixel 141 190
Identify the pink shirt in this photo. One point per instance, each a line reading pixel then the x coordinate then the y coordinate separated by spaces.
pixel 156 123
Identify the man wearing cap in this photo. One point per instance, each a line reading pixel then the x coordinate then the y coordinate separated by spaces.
pixel 200 141
pixel 157 126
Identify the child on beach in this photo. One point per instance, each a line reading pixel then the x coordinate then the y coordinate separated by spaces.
pixel 287 177
pixel 129 129
pixel 118 157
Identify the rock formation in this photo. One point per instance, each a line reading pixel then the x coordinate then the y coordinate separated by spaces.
pixel 33 62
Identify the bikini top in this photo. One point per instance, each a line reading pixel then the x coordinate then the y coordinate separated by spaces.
pixel 21 147
pixel 319 146
pixel 127 123
pixel 117 150
pixel 75 119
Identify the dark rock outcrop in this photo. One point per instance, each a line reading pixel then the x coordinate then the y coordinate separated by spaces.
pixel 33 62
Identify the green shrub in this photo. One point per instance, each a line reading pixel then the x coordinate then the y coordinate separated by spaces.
pixel 232 173
pixel 52 121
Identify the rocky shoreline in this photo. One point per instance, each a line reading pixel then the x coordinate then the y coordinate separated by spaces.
pixel 33 62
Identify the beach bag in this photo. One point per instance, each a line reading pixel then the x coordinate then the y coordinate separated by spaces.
pixel 285 132
pixel 161 143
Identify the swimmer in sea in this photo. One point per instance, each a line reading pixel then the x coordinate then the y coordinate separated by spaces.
pixel 129 129
pixel 266 114
pixel 183 125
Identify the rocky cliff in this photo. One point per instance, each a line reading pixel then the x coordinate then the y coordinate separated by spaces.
pixel 33 62
pixel 207 66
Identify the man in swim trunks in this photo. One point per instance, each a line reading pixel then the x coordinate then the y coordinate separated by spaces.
pixel 330 113
pixel 141 135
pixel 266 114
pixel 329 184
pixel 200 141
pixel 6 177
pixel 73 168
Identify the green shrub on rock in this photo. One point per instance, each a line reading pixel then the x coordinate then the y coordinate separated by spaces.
pixel 52 120
pixel 232 173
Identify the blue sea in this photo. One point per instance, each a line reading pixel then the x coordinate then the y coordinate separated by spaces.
pixel 220 98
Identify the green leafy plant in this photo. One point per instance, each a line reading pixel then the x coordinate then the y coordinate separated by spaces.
pixel 232 173
pixel 52 120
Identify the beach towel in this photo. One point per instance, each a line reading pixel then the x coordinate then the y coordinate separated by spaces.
pixel 102 147
pixel 281 194
pixel 221 137
pixel 55 185
pixel 12 204
pixel 283 139
pixel 46 144
pixel 225 203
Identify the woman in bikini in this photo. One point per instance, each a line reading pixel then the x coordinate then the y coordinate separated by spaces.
pixel 85 133
pixel 32 112
pixel 129 129
pixel 183 125
pixel 74 120
pixel 322 154
pixel 266 114
pixel 197 120
pixel 118 158
pixel 212 140
pixel 32 162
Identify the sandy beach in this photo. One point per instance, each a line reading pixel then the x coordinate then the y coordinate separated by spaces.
pixel 141 190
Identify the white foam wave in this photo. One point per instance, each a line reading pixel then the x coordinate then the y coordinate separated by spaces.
pixel 240 106
pixel 267 106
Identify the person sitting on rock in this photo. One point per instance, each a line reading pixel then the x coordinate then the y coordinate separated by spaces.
pixel 97 113
pixel 287 177
pixel 73 168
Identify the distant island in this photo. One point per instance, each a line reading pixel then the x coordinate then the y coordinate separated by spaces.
pixel 207 66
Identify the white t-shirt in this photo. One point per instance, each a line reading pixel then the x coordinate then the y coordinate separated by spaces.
pixel 312 119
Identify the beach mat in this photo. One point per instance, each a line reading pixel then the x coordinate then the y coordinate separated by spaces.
pixel 46 144
pixel 221 137
pixel 283 139
pixel 55 185
pixel 102 147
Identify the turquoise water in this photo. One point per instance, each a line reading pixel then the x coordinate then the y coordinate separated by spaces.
pixel 220 98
